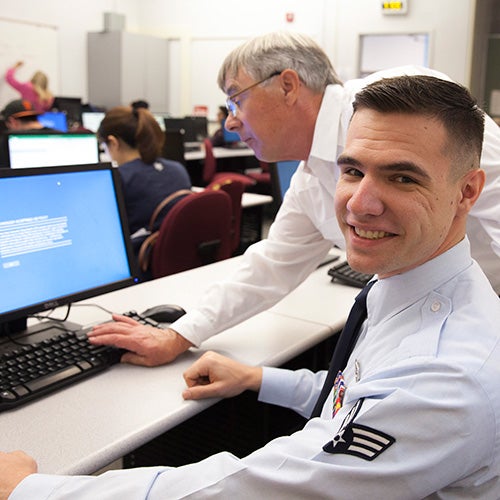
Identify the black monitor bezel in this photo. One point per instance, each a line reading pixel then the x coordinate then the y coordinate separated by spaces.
pixel 72 106
pixel 195 128
pixel 40 307
pixel 38 133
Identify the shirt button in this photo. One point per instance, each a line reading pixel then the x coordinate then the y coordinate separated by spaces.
pixel 436 306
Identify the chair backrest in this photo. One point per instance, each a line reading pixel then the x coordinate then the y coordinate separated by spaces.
pixel 210 163
pixel 196 231
pixel 264 165
pixel 235 190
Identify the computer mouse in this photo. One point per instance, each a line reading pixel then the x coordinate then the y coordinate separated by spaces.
pixel 164 313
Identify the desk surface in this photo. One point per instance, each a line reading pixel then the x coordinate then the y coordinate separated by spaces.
pixel 86 426
pixel 219 152
pixel 247 199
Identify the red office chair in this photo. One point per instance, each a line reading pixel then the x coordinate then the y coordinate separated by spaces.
pixel 196 231
pixel 210 173
pixel 262 179
pixel 235 190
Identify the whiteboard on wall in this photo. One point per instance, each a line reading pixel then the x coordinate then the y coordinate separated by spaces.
pixel 36 45
pixel 383 51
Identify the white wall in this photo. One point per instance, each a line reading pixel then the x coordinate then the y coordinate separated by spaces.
pixel 72 19
pixel 203 31
pixel 449 22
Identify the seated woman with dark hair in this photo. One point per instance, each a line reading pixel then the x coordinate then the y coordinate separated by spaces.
pixel 134 141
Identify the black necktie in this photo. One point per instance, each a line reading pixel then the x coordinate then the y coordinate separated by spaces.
pixel 345 345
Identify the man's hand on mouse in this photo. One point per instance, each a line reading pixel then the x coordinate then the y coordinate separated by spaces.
pixel 148 346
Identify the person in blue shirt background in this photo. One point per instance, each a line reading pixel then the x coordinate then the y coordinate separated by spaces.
pixel 419 416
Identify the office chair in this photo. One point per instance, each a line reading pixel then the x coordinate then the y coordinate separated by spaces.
pixel 262 178
pixel 196 231
pixel 235 190
pixel 210 173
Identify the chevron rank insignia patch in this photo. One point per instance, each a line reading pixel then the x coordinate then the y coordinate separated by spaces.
pixel 358 440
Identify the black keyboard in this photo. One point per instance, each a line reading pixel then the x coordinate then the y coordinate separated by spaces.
pixel 343 273
pixel 30 371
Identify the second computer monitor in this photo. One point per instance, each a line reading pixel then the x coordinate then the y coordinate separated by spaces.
pixel 51 149
pixel 92 119
pixel 281 176
pixel 195 128
pixel 56 120
pixel 72 108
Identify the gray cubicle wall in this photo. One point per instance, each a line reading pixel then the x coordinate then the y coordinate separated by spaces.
pixel 124 67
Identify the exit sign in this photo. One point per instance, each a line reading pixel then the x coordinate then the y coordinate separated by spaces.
pixel 395 7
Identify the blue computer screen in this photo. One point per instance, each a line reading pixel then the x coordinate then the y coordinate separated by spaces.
pixel 54 119
pixel 285 171
pixel 61 237
pixel 229 136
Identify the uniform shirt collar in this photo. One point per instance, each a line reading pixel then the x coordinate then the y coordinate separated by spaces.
pixel 390 295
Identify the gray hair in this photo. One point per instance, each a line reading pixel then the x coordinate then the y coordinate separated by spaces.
pixel 266 54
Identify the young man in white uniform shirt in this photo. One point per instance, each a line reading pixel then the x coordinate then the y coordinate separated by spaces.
pixel 287 103
pixel 420 415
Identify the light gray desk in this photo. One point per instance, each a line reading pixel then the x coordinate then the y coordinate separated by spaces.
pixel 219 152
pixel 248 200
pixel 90 424
pixel 314 300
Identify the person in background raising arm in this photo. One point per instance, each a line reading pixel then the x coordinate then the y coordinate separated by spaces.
pixel 36 90
pixel 287 103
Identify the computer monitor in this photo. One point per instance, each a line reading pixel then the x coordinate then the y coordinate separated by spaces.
pixel 160 119
pixel 72 107
pixel 176 124
pixel 281 175
pixel 195 128
pixel 92 119
pixel 26 150
pixel 54 119
pixel 173 147
pixel 229 137
pixel 63 238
